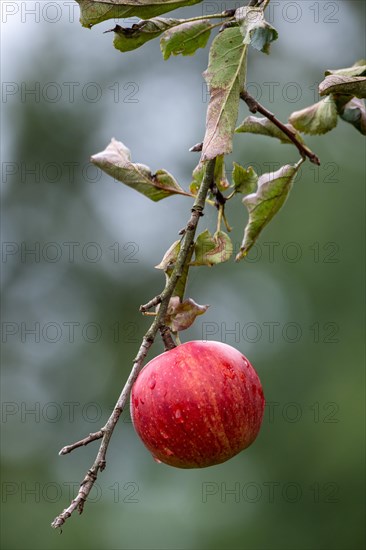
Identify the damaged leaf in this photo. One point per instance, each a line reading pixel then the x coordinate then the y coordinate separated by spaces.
pixel 115 160
pixel 344 85
pixel 265 127
pixel 358 69
pixel 181 315
pixel 93 12
pixel 212 249
pixel 225 76
pixel 319 118
pixel 130 38
pixel 255 29
pixel 186 38
pixel 272 192
pixel 245 180
pixel 170 257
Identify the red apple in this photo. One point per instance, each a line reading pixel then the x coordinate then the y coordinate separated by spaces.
pixel 197 405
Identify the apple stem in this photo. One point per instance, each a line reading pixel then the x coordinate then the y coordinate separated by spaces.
pixel 219 218
pixel 167 338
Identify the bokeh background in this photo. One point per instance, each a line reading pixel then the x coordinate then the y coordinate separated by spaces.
pixel 77 260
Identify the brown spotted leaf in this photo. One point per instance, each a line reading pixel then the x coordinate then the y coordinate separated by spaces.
pixel 225 76
pixel 343 85
pixel 212 249
pixel 181 315
pixel 170 257
pixel 115 160
pixel 264 127
pixel 272 192
pixel 93 12
pixel 319 118
pixel 130 38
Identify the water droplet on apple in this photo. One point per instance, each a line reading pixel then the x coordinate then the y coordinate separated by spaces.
pixel 178 415
pixel 246 364
pixel 168 452
pixel 152 384
pixel 157 460
pixel 164 435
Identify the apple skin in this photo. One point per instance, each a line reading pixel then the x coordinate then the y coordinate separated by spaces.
pixel 197 405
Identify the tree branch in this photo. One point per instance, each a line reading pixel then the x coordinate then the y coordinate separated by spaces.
pixel 106 432
pixel 255 107
pixel 82 443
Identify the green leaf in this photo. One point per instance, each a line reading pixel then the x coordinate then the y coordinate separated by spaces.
pixel 130 38
pixel 210 250
pixel 225 76
pixel 245 180
pixel 220 178
pixel 197 176
pixel 358 69
pixel 170 257
pixel 181 315
pixel 115 160
pixel 93 12
pixel 354 112
pixel 255 29
pixel 344 85
pixel 265 127
pixel 186 38
pixel 272 192
pixel 319 118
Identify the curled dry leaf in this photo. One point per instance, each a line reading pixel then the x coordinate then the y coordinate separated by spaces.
pixel 343 85
pixel 115 160
pixel 255 29
pixel 130 38
pixel 170 257
pixel 181 315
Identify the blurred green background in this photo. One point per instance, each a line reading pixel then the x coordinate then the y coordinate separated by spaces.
pixel 78 251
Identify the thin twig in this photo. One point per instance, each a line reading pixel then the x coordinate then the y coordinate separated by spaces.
pixel 106 432
pixel 82 443
pixel 255 107
pixel 151 303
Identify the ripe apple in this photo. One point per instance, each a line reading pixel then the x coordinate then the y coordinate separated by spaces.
pixel 197 405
